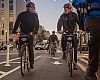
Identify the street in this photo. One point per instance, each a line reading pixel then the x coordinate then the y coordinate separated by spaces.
pixel 46 67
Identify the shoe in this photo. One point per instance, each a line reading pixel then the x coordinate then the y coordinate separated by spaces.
pixel 31 66
pixel 89 75
pixel 75 66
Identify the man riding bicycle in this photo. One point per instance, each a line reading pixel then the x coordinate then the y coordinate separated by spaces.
pixel 28 22
pixel 92 25
pixel 53 39
pixel 68 20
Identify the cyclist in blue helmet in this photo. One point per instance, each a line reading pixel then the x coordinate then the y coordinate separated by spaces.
pixel 68 21
pixel 92 25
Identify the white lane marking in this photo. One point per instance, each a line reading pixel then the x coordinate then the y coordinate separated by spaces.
pixel 9 60
pixel 56 63
pixel 9 72
pixel 85 61
pixel 1 72
pixel 81 66
pixel 11 53
pixel 57 58
pixel 37 57
pixel 14 62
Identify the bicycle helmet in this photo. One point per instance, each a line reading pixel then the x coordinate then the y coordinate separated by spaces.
pixel 53 31
pixel 67 5
pixel 30 4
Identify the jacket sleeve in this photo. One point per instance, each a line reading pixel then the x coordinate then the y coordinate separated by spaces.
pixel 56 37
pixel 17 23
pixel 60 23
pixel 81 27
pixel 36 24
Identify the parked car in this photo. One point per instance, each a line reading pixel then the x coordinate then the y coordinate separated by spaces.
pixel 39 46
pixel 4 47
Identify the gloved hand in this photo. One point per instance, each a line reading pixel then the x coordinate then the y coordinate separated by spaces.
pixel 83 7
pixel 36 32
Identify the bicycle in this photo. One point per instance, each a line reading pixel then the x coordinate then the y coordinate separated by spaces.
pixel 23 52
pixel 70 53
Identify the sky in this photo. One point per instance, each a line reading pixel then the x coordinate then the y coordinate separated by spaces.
pixel 49 12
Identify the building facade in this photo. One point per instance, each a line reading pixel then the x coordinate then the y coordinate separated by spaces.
pixel 9 10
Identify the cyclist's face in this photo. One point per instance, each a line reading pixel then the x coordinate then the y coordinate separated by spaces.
pixel 67 10
pixel 31 9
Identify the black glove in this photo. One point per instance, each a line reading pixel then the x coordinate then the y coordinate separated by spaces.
pixel 83 7
pixel 14 32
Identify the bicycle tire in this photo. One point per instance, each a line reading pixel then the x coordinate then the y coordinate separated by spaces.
pixel 27 59
pixel 23 60
pixel 71 62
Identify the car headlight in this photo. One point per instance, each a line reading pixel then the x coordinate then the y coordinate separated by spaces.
pixel 69 38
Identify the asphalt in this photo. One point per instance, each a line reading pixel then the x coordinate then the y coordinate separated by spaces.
pixel 47 68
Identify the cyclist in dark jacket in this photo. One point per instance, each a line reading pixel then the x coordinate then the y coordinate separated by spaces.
pixel 92 25
pixel 53 39
pixel 68 20
pixel 28 22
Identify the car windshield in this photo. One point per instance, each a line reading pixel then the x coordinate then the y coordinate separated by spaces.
pixel 40 43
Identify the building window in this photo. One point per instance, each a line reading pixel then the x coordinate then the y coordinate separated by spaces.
pixel 2 18
pixel 2 5
pixel 11 18
pixel 2 32
pixel 10 27
pixel 2 25
pixel 10 6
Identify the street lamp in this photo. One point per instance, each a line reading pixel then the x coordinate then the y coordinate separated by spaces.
pixel 6 36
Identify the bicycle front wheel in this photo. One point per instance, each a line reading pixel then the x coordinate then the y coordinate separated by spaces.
pixel 71 62
pixel 22 60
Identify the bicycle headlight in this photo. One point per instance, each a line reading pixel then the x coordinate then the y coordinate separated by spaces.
pixel 69 38
pixel 23 39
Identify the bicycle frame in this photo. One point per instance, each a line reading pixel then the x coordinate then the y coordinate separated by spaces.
pixel 23 40
pixel 70 52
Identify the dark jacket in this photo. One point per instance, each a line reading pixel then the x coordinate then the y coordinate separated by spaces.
pixel 53 38
pixel 68 21
pixel 27 21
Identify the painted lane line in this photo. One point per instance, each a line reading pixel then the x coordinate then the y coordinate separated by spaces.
pixel 10 60
pixel 9 72
pixel 85 61
pixel 1 72
pixel 14 62
pixel 81 66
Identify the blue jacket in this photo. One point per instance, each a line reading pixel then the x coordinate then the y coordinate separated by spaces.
pixel 93 3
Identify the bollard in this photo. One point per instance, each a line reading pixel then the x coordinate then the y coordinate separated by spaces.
pixel 7 62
